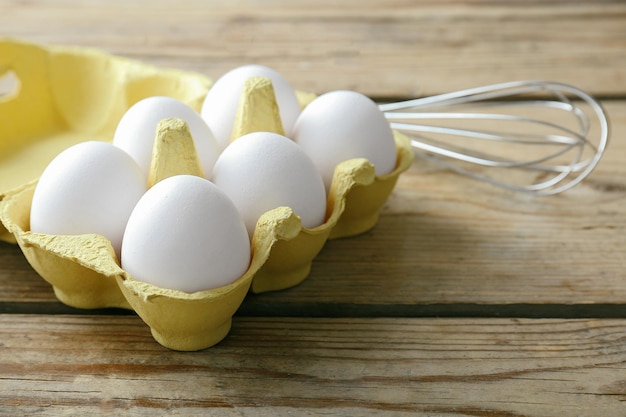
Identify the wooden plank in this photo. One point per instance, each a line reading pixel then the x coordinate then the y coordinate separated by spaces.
pixel 380 48
pixel 443 238
pixel 446 239
pixel 19 282
pixel 366 367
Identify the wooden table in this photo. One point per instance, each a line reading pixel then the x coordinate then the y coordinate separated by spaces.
pixel 464 300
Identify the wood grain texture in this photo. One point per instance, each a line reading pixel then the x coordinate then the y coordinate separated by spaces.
pixel 52 366
pixel 361 336
pixel 380 48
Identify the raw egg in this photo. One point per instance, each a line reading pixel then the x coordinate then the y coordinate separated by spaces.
pixel 90 187
pixel 185 234
pixel 136 130
pixel 342 125
pixel 220 105
pixel 261 171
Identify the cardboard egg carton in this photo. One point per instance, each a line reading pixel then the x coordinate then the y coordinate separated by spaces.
pixel 68 95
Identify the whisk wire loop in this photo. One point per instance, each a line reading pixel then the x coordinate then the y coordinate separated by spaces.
pixel 563 153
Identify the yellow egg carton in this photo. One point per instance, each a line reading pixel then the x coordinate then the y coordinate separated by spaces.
pixel 67 95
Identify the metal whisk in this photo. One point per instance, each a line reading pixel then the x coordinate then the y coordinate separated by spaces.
pixel 554 133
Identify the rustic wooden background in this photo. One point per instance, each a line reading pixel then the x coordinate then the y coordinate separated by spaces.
pixel 464 300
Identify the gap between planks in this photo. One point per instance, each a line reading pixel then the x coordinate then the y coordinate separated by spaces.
pixel 254 306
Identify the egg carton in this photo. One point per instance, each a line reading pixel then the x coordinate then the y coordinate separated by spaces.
pixel 67 95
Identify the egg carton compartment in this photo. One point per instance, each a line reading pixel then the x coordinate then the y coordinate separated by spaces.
pixel 57 96
pixel 83 269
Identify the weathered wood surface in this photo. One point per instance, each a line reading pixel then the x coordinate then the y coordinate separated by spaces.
pixel 381 48
pixel 361 335
pixel 60 365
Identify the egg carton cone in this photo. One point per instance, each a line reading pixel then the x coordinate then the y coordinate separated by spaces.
pixel 83 269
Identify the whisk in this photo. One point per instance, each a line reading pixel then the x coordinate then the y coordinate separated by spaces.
pixel 554 132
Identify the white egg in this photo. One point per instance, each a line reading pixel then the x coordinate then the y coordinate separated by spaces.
pixel 221 103
pixel 185 234
pixel 342 125
pixel 136 130
pixel 261 171
pixel 90 187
